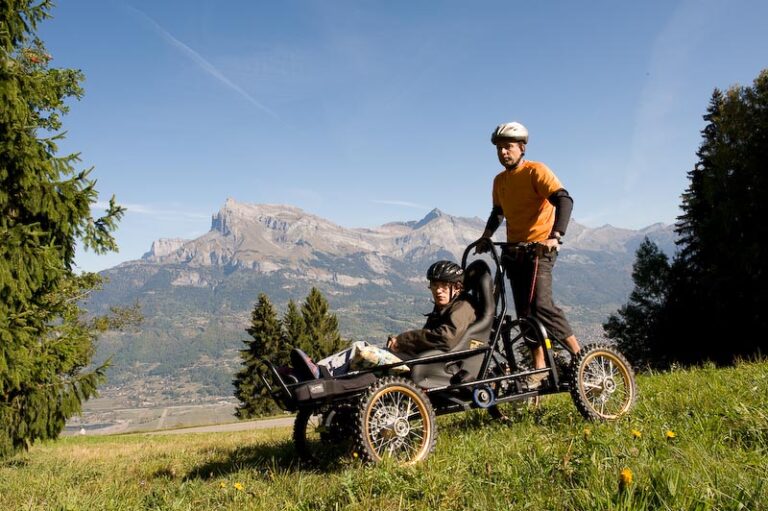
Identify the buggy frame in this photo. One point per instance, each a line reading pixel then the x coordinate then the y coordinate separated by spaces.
pixel 393 416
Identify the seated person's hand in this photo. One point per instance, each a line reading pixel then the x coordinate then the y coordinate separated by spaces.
pixel 484 245
pixel 392 343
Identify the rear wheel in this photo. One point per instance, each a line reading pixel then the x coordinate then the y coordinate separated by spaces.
pixel 396 420
pixel 322 437
pixel 602 383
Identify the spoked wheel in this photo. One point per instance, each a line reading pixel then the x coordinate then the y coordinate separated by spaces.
pixel 322 437
pixel 602 383
pixel 396 420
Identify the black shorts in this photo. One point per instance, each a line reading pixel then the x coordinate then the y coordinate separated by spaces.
pixel 536 302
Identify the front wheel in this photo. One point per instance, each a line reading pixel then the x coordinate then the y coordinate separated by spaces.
pixel 602 383
pixel 395 419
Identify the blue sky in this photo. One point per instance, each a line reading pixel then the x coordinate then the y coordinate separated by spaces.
pixel 366 112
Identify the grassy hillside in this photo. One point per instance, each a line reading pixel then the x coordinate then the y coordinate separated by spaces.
pixel 698 439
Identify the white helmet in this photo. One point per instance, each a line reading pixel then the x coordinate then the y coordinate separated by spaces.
pixel 513 131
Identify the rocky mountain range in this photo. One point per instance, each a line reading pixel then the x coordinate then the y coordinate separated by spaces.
pixel 196 295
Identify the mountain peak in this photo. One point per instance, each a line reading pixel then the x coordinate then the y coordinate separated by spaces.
pixel 234 213
pixel 658 226
pixel 432 215
pixel 163 247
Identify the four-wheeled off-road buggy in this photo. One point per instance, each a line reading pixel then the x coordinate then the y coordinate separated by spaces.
pixel 382 415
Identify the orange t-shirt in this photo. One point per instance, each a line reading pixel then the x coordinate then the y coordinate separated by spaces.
pixel 522 194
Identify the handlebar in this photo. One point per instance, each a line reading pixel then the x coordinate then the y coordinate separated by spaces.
pixel 492 250
pixel 532 246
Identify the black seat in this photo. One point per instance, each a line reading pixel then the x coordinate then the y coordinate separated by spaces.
pixel 478 290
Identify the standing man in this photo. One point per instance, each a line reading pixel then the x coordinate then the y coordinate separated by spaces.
pixel 537 209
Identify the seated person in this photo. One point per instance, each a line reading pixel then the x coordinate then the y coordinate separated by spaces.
pixel 447 322
pixel 445 327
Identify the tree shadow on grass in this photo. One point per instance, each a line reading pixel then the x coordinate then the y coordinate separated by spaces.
pixel 15 462
pixel 262 458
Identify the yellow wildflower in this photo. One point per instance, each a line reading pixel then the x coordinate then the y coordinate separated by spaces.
pixel 625 478
pixel 587 433
pixel 239 487
pixel 636 433
pixel 354 455
pixel 222 484
pixel 670 435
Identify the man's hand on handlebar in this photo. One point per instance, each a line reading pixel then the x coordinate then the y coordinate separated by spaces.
pixel 484 244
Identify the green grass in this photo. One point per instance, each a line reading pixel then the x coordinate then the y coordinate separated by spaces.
pixel 547 458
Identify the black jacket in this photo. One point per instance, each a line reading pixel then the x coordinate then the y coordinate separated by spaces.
pixel 442 331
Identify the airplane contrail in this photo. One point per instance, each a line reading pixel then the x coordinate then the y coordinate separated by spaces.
pixel 202 63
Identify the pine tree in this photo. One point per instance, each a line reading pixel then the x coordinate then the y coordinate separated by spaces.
pixel 294 330
pixel 265 343
pixel 45 345
pixel 322 327
pixel 717 285
pixel 635 327
pixel 718 295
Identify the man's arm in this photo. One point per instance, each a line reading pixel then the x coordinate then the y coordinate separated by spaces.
pixel 563 204
pixel 494 221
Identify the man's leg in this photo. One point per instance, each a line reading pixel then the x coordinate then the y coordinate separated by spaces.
pixel 537 353
pixel 520 271
pixel 550 315
pixel 543 306
pixel 572 343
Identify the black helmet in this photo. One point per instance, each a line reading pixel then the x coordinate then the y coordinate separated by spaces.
pixel 445 271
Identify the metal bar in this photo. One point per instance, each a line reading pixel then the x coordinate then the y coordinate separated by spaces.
pixel 486 381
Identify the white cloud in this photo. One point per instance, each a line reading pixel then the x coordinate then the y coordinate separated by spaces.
pixel 151 211
pixel 666 90
pixel 402 203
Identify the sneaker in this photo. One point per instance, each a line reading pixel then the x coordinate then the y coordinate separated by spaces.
pixel 536 381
